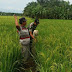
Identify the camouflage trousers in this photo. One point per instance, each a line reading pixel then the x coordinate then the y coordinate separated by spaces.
pixel 27 60
pixel 25 51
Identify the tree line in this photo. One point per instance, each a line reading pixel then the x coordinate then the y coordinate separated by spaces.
pixel 10 14
pixel 50 9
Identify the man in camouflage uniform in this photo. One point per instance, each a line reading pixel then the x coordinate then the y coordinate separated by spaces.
pixel 32 27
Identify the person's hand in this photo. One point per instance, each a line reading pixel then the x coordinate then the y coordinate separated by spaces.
pixel 35 40
pixel 15 16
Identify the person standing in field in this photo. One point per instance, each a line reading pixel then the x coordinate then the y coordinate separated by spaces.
pixel 31 28
pixel 33 33
pixel 24 37
pixel 25 43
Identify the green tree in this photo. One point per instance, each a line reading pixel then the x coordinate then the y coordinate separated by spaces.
pixel 51 9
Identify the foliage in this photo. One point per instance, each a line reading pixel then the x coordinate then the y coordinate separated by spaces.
pixel 50 9
pixel 53 47
pixel 9 14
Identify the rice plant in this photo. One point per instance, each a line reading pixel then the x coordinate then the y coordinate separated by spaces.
pixel 53 46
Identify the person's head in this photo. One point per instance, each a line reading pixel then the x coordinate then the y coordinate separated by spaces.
pixel 22 21
pixel 36 22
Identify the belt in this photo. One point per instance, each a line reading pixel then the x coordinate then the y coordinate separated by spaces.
pixel 24 37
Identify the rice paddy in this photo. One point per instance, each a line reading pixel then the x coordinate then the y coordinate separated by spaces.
pixel 53 46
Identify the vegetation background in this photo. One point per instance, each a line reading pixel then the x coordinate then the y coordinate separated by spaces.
pixel 49 9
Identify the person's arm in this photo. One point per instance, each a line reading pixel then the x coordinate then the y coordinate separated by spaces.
pixel 32 36
pixel 30 31
pixel 16 22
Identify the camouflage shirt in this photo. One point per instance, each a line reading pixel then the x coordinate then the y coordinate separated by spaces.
pixel 32 27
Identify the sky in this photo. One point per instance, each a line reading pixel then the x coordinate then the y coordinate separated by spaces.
pixel 16 6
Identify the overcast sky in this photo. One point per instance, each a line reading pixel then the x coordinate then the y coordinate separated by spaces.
pixel 16 6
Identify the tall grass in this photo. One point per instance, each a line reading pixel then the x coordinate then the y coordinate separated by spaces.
pixel 53 46
pixel 10 49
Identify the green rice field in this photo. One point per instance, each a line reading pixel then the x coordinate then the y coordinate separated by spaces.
pixel 53 46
